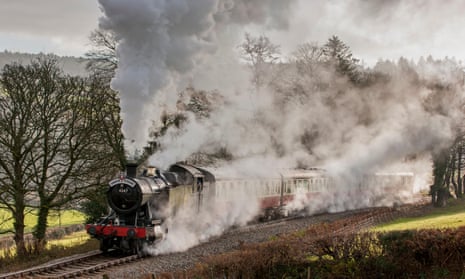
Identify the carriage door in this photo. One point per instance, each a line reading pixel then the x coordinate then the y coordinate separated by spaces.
pixel 198 191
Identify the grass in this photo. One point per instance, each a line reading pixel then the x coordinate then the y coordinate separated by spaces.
pixel 451 216
pixel 68 241
pixel 55 219
pixel 73 244
pixel 71 240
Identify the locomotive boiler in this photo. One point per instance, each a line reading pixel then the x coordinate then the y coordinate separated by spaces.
pixel 140 203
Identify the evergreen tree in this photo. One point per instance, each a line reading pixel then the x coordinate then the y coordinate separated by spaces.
pixel 339 55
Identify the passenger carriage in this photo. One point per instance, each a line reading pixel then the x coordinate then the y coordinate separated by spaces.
pixel 141 203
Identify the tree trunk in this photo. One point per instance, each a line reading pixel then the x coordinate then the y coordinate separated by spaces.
pixel 19 231
pixel 41 228
pixel 433 194
pixel 450 178
pixel 459 173
pixel 443 195
pixel 459 185
pixel 439 189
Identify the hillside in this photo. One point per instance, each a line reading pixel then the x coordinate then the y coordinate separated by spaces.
pixel 75 66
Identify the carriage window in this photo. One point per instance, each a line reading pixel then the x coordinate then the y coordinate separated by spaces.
pixel 219 189
pixel 306 185
pixel 301 184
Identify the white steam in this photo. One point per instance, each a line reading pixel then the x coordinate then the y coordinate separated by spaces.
pixel 192 225
pixel 162 42
pixel 311 119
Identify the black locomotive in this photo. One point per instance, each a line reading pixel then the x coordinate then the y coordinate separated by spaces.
pixel 140 203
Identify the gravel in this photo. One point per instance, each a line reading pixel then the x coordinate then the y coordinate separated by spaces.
pixel 227 242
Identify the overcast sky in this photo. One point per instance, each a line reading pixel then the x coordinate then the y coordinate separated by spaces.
pixel 373 29
pixel 50 26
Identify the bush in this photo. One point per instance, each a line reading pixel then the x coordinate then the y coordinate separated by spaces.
pixel 321 252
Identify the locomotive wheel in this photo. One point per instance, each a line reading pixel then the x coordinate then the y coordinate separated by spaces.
pixel 138 248
pixel 105 245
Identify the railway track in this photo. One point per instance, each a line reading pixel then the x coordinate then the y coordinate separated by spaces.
pixel 73 267
pixel 90 264
pixel 94 264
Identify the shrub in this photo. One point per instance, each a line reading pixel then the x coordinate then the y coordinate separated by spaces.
pixel 324 252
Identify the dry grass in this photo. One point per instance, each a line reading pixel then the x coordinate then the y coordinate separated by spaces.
pixel 71 245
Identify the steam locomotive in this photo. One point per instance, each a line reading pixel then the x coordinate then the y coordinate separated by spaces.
pixel 141 203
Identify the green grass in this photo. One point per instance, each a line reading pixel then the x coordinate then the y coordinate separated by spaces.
pixel 68 241
pixel 73 239
pixel 73 244
pixel 55 219
pixel 451 216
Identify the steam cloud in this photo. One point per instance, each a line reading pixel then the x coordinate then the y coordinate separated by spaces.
pixel 166 45
pixel 162 42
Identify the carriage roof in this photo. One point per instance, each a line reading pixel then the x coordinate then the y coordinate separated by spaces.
pixel 229 174
pixel 393 174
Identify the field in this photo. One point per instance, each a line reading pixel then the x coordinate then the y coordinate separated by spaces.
pixel 66 244
pixel 60 225
pixel 56 219
pixel 452 216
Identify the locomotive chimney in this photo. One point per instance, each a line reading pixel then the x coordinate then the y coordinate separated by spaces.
pixel 131 169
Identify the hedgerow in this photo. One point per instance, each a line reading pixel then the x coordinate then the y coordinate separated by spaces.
pixel 324 252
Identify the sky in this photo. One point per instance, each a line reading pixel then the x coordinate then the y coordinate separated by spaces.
pixel 372 29
pixel 48 26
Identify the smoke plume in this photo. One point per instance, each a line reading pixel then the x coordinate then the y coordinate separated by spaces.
pixel 161 43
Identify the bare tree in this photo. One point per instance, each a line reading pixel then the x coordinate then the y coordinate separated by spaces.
pixel 78 158
pixel 19 138
pixel 260 53
pixel 102 58
pixel 103 63
pixel 308 58
pixel 55 140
